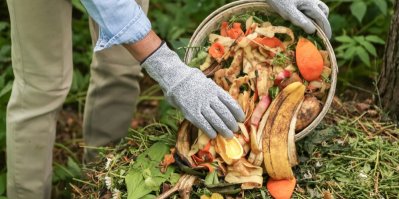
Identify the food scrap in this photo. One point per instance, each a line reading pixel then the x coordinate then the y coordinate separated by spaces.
pixel 280 82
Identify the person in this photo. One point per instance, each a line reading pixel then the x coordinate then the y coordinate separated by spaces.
pixel 42 65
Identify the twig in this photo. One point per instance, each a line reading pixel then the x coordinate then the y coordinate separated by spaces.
pixel 358 118
pixel 347 156
pixel 360 89
pixel 72 154
pixel 384 128
pixel 184 185
pixel 84 182
pixel 364 128
pixel 76 189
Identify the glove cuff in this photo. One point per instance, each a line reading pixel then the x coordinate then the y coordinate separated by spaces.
pixel 162 43
pixel 165 67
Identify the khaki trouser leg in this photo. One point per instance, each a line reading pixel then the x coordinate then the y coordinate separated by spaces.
pixel 112 95
pixel 42 64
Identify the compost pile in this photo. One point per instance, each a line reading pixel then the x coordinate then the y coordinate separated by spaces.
pixel 280 80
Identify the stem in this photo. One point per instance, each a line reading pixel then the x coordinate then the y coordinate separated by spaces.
pixel 376 173
pixel 367 26
pixel 72 154
pixel 84 182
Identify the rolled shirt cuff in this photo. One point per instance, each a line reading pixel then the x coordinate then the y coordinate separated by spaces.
pixel 120 22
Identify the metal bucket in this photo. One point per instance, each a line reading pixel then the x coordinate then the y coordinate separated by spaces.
pixel 212 23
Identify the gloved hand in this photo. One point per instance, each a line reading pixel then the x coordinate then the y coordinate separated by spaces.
pixel 202 102
pixel 299 12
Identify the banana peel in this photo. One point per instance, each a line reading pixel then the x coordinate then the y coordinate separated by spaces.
pixel 183 145
pixel 279 124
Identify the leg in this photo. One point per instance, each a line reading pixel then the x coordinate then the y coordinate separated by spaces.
pixel 42 64
pixel 112 96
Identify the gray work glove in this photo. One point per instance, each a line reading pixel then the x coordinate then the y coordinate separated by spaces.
pixel 202 102
pixel 299 12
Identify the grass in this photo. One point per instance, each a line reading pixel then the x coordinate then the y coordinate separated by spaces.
pixel 350 155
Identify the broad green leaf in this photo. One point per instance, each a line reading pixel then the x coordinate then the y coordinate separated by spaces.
pixel 369 47
pixel 135 185
pixel 209 178
pixel 338 22
pixel 74 167
pixel 363 55
pixel 358 9
pixel 199 59
pixel 61 173
pixel 150 183
pixel 382 5
pixel 375 39
pixel 344 39
pixel 174 177
pixel 6 89
pixel 359 39
pixel 157 151
pixel 350 52
pixel 343 47
pixel 149 196
pixel 141 161
pixel 144 175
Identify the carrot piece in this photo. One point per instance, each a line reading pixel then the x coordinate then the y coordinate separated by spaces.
pixel 237 26
pixel 206 156
pixel 168 159
pixel 207 146
pixel 281 189
pixel 216 50
pixel 250 30
pixel 235 32
pixel 309 60
pixel 273 42
pixel 223 29
pixel 197 160
pixel 208 166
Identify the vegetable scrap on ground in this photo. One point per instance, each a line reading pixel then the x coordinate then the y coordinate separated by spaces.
pixel 351 154
pixel 281 83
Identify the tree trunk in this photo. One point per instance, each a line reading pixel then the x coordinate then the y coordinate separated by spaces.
pixel 388 83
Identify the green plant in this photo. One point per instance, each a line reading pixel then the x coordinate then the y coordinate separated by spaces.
pixel 78 91
pixel 359 48
pixel 63 175
pixel 5 92
pixel 6 77
pixel 359 31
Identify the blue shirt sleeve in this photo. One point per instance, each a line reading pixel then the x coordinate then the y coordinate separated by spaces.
pixel 120 21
